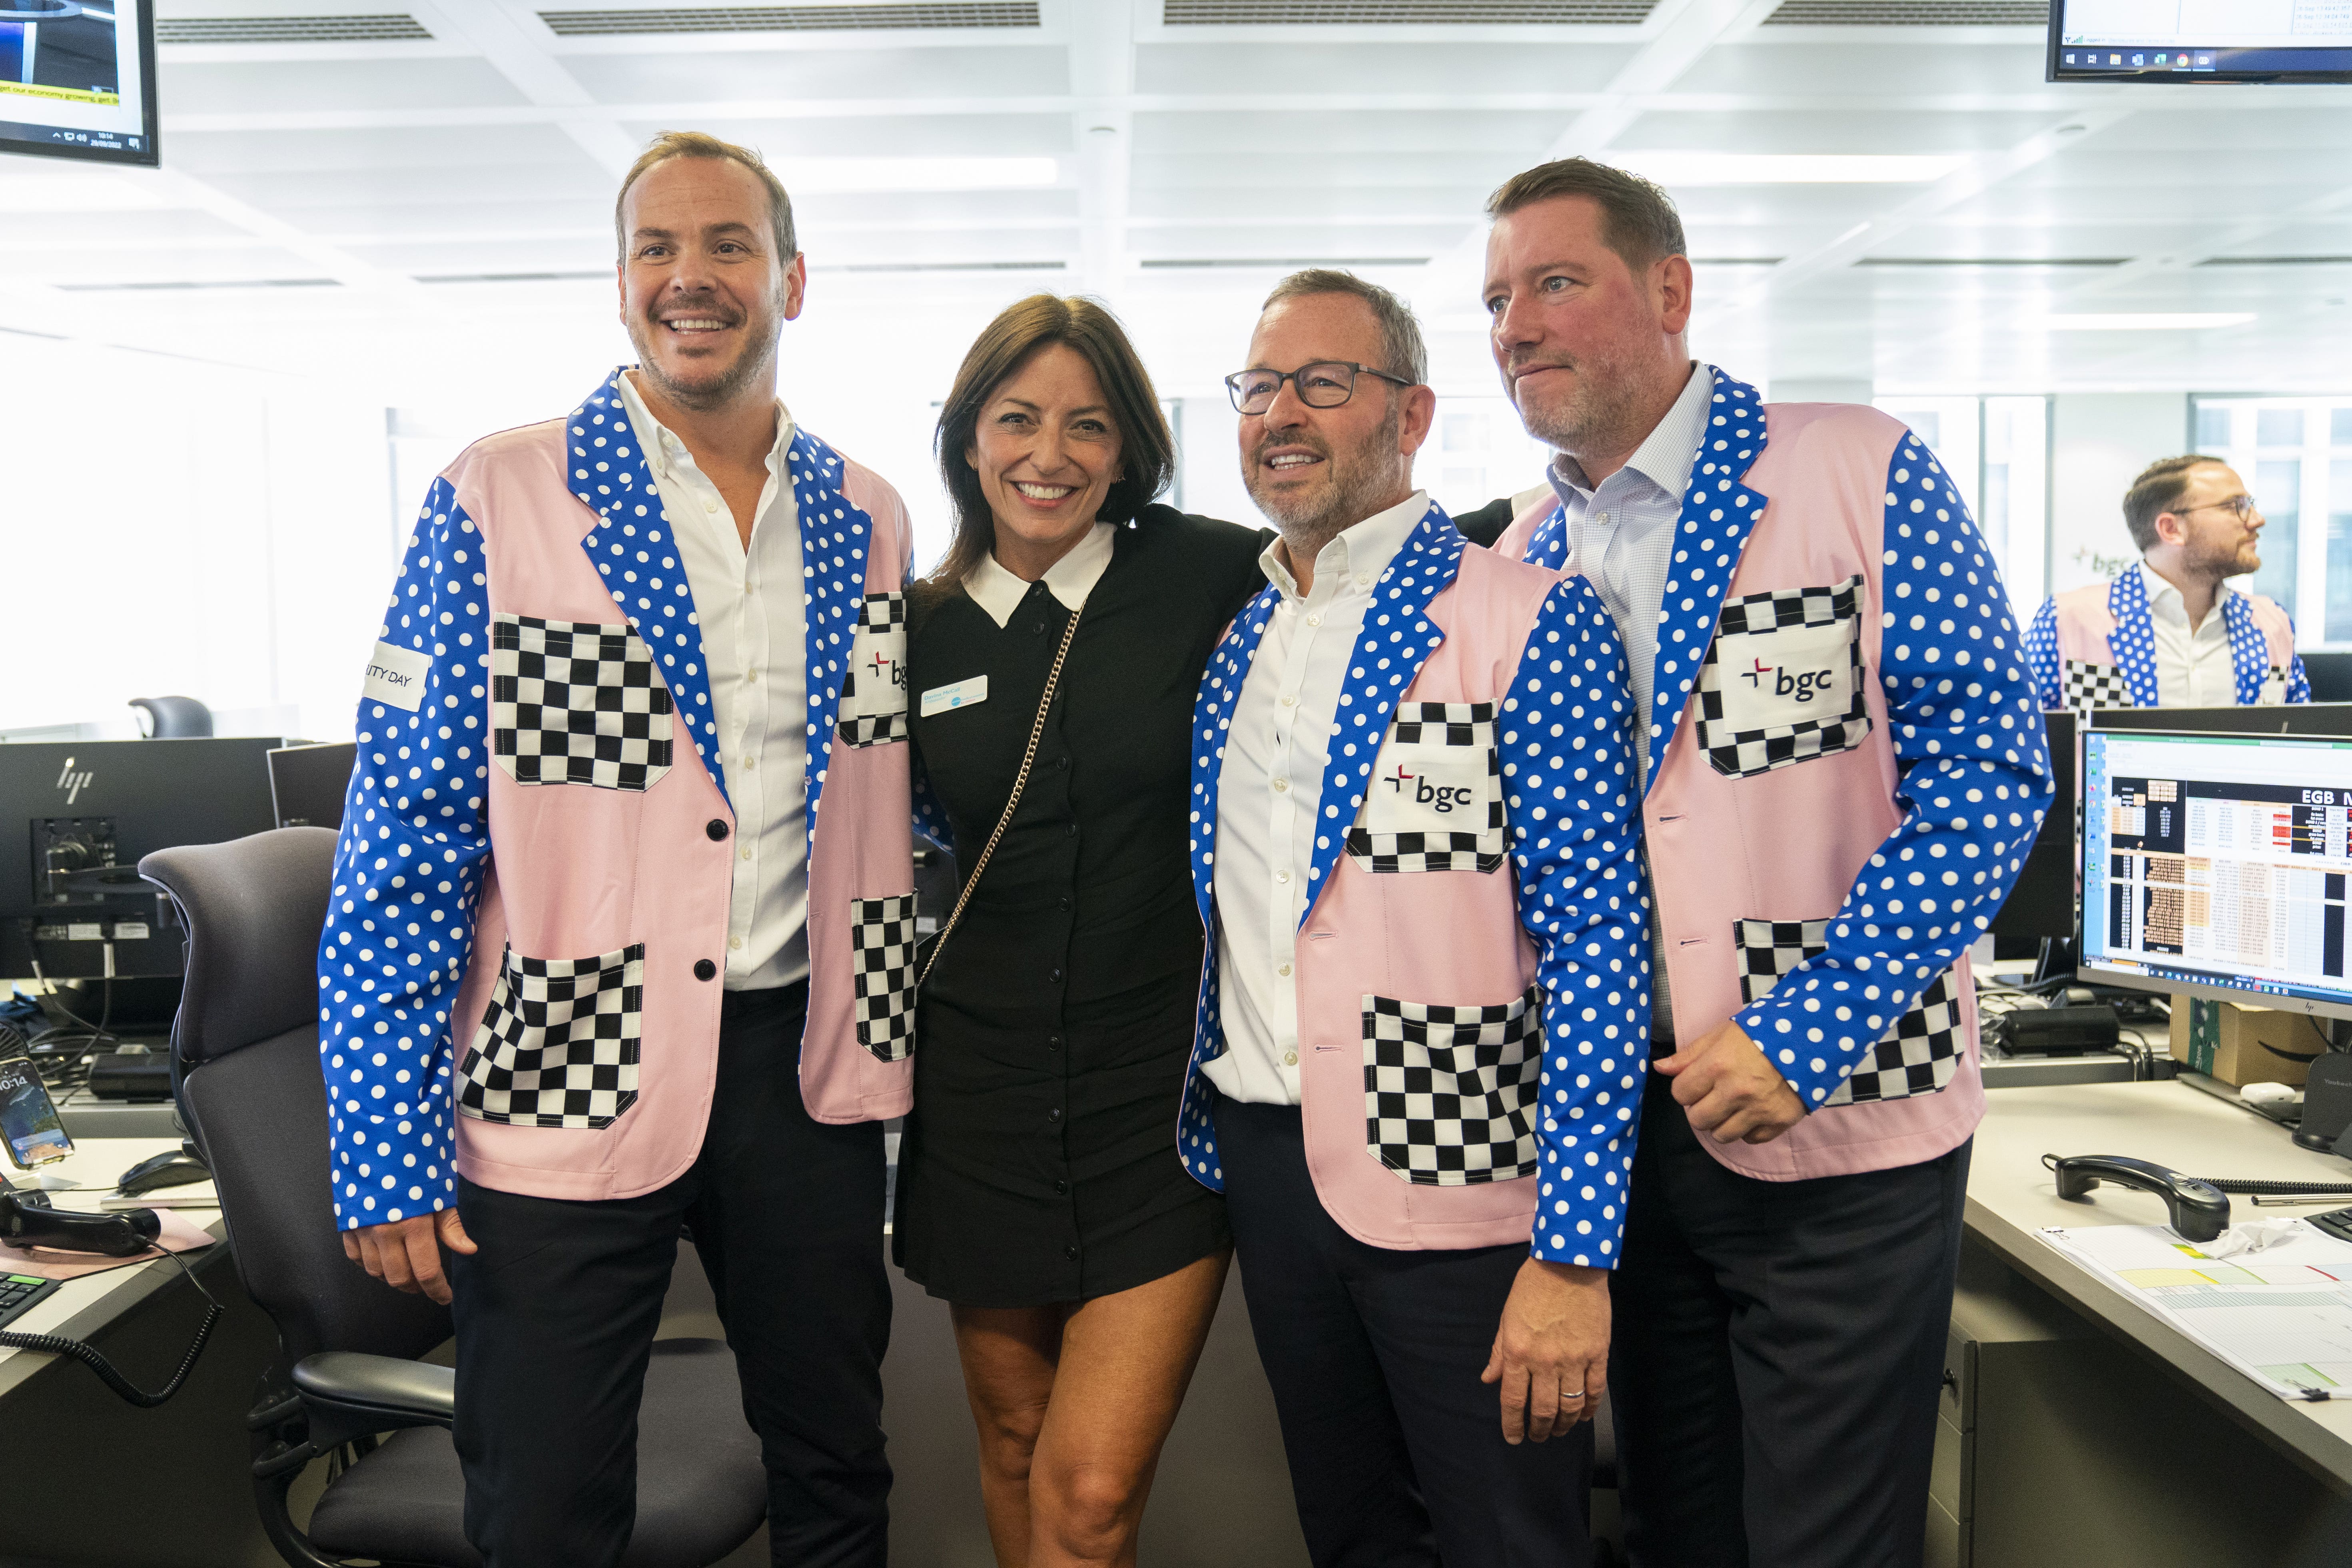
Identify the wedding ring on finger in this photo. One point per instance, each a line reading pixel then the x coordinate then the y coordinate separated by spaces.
pixel 1577 1395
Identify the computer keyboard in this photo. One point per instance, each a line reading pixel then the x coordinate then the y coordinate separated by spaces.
pixel 19 1291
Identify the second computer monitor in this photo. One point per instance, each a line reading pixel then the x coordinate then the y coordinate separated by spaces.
pixel 308 783
pixel 2274 719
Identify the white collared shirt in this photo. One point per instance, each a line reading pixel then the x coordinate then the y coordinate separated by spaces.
pixel 1270 795
pixel 750 606
pixel 1069 579
pixel 2193 668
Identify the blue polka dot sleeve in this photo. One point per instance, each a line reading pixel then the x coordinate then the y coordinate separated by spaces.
pixel 2298 683
pixel 408 877
pixel 1568 776
pixel 1966 722
pixel 2042 655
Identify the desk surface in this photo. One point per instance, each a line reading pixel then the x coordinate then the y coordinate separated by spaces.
pixel 2012 1197
pixel 81 1307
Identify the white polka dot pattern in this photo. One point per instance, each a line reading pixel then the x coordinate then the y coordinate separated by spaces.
pixel 1547 545
pixel 1568 789
pixel 1965 720
pixel 2132 648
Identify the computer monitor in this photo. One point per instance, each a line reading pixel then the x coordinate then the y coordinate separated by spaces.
pixel 2330 675
pixel 75 817
pixel 2276 718
pixel 2041 903
pixel 78 79
pixel 2218 866
pixel 308 783
pixel 2135 41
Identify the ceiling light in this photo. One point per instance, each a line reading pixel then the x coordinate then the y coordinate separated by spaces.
pixel 2147 321
pixel 813 174
pixel 1679 168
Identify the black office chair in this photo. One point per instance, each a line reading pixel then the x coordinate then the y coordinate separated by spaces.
pixel 245 1067
pixel 172 718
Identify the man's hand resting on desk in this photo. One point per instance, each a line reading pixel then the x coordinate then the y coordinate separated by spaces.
pixel 407 1253
pixel 1731 1091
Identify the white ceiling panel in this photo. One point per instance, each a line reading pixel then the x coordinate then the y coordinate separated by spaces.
pixel 1835 131
pixel 1281 69
pixel 1901 68
pixel 287 86
pixel 897 136
pixel 901 75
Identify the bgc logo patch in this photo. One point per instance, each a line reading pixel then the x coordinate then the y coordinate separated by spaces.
pixel 1423 789
pixel 1795 685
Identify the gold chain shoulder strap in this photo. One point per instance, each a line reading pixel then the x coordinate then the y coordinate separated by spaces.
pixel 1020 780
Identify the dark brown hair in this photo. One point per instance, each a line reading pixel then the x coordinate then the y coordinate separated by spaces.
pixel 696 144
pixel 1147 450
pixel 2157 491
pixel 1638 220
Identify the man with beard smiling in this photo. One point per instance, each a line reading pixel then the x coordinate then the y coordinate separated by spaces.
pixel 1842 762
pixel 1419 1045
pixel 590 973
pixel 2150 638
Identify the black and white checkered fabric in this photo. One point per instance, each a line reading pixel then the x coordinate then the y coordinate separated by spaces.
pixel 1450 1093
pixel 1467 730
pixel 1744 752
pixel 558 1043
pixel 2090 686
pixel 1918 1056
pixel 575 702
pixel 882 975
pixel 874 691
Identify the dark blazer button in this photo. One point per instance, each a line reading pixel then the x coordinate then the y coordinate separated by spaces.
pixel 1055 977
pixel 1061 1185
pixel 1063 763
pixel 704 969
pixel 1053 1042
pixel 715 829
pixel 1055 1115
pixel 1071 1252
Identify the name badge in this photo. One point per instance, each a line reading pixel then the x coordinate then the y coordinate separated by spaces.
pixel 395 677
pixel 1786 676
pixel 962 694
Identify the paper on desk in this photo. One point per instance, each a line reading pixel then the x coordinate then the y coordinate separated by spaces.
pixel 179 1234
pixel 2282 1315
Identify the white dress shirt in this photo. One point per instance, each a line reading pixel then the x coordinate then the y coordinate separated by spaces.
pixel 1270 796
pixel 1069 579
pixel 750 606
pixel 2193 668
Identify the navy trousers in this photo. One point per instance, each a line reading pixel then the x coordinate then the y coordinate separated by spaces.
pixel 1776 1354
pixel 1396 1450
pixel 556 1314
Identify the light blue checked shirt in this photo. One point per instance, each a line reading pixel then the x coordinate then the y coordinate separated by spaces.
pixel 1621 535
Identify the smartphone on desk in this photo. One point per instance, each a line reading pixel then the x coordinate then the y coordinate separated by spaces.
pixel 29 1128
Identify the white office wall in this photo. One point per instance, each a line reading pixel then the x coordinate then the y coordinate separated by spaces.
pixel 2099 441
pixel 169 527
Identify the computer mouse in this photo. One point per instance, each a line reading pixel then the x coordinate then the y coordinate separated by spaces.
pixel 177 1168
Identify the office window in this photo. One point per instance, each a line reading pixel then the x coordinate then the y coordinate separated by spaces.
pixel 1997 450
pixel 2295 456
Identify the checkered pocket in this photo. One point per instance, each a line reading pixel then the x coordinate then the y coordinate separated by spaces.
pixel 1450 1093
pixel 873 692
pixel 1782 681
pixel 2090 686
pixel 558 1043
pixel 1918 1056
pixel 2274 692
pixel 882 975
pixel 576 703
pixel 1435 801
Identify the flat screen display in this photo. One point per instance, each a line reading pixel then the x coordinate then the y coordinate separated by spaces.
pixel 2218 865
pixel 2201 40
pixel 78 79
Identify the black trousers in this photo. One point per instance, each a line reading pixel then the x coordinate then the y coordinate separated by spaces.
pixel 1396 1450
pixel 556 1315
pixel 1776 1357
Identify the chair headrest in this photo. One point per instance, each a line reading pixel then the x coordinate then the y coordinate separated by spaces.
pixel 253 908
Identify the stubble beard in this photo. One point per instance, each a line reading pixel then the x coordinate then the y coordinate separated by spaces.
pixel 755 362
pixel 2240 560
pixel 1595 418
pixel 1361 480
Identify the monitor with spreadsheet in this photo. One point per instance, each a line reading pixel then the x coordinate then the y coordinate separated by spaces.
pixel 2217 865
pixel 2199 41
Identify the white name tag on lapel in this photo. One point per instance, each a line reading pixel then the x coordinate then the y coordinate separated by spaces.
pixel 395 677
pixel 1786 676
pixel 962 694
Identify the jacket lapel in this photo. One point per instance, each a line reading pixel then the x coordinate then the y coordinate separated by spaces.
pixel 632 549
pixel 2132 645
pixel 2250 651
pixel 835 540
pixel 1720 511
pixel 1396 641
pixel 1547 545
pixel 1213 715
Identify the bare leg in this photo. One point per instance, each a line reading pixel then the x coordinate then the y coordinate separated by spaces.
pixel 1008 1355
pixel 1126 1359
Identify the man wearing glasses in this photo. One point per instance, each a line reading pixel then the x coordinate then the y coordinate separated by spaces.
pixel 1422 1033
pixel 2151 638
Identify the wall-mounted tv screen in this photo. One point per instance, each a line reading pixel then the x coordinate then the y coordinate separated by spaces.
pixel 78 79
pixel 2199 40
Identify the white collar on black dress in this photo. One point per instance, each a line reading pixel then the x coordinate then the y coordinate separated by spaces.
pixel 1070 579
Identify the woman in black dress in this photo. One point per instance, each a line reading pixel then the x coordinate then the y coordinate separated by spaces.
pixel 1039 1188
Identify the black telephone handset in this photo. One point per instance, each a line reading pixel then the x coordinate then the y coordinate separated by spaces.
pixel 124 1235
pixel 2200 1210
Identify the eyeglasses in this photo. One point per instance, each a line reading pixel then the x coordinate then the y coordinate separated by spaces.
pixel 1326 384
pixel 2242 503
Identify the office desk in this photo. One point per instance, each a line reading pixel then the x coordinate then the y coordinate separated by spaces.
pixel 2012 1197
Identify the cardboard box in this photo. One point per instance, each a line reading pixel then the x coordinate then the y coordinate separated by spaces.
pixel 2239 1045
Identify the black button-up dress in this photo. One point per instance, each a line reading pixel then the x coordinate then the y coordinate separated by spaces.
pixel 1039 1164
